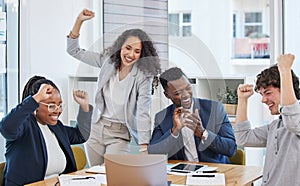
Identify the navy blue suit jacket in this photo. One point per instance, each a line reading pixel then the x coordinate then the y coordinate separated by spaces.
pixel 217 147
pixel 26 153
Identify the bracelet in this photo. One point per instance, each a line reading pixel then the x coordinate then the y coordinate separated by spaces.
pixel 73 36
pixel 143 149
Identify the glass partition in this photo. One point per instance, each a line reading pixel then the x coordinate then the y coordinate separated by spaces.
pixel 9 41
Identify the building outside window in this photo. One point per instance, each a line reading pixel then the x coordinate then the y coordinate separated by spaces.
pixel 180 24
pixel 174 24
pixel 251 41
pixel 252 23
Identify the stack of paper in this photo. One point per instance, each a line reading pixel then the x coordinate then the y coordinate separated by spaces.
pixel 84 180
pixel 98 169
pixel 216 179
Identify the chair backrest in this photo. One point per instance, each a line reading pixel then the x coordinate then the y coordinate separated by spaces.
pixel 80 157
pixel 2 165
pixel 239 158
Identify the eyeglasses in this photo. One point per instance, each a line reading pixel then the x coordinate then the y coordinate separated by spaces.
pixel 53 107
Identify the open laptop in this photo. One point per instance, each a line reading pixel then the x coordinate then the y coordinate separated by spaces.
pixel 136 169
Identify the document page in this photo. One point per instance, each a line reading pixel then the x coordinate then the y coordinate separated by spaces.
pixel 216 179
pixel 84 180
pixel 98 169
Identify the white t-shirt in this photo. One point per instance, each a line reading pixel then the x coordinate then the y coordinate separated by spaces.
pixel 56 158
pixel 114 97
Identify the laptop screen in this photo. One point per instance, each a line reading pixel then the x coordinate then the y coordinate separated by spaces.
pixel 136 169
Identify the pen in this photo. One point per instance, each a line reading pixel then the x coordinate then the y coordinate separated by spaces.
pixel 202 175
pixel 208 171
pixel 182 171
pixel 84 178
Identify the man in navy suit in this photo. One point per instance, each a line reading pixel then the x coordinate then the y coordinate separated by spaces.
pixel 191 129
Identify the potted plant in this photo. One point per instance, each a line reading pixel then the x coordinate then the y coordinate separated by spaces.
pixel 229 99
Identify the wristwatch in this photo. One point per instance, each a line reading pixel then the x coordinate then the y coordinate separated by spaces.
pixel 205 135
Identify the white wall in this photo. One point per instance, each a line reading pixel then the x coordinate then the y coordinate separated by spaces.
pixel 203 29
pixel 44 26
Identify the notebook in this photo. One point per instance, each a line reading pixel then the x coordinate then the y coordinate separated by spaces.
pixel 136 169
pixel 208 179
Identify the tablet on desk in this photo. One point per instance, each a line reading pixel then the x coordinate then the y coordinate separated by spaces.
pixel 187 167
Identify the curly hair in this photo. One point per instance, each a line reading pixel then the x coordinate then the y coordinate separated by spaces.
pixel 33 85
pixel 271 77
pixel 149 62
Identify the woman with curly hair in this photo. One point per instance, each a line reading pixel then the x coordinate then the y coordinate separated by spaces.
pixel 127 77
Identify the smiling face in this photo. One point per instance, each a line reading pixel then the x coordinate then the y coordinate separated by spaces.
pixel 131 51
pixel 180 92
pixel 44 116
pixel 271 97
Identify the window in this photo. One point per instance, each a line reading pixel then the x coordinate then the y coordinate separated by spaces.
pixel 9 90
pixel 2 95
pixel 253 24
pixel 174 24
pixel 2 60
pixel 234 25
pixel 180 24
pixel 251 35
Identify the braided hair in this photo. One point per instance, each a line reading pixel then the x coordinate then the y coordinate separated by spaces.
pixel 33 85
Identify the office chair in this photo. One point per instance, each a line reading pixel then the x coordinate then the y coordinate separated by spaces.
pixel 80 157
pixel 2 165
pixel 239 158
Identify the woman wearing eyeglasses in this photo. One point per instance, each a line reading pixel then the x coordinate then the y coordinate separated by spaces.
pixel 38 145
